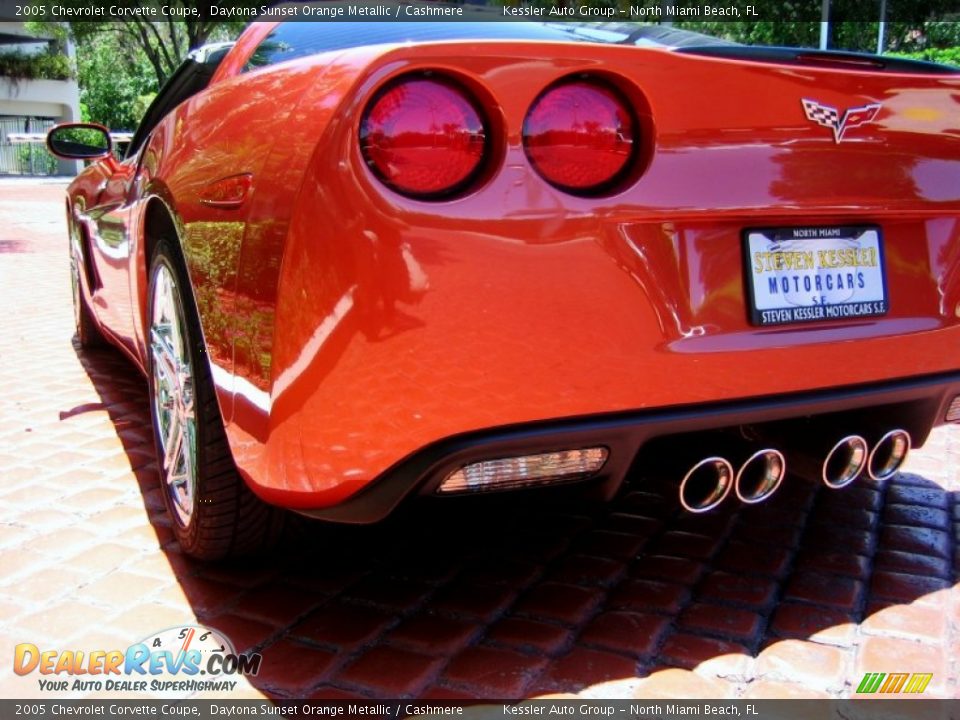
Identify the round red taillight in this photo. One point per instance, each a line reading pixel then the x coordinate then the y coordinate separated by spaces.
pixel 423 137
pixel 581 136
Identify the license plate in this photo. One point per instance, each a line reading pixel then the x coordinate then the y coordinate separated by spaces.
pixel 815 274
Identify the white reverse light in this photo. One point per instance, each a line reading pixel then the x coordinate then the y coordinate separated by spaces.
pixel 525 470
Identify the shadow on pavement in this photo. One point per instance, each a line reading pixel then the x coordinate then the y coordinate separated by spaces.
pixel 511 597
pixel 13 246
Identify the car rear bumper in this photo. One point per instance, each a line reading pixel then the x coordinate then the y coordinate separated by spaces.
pixel 917 404
pixel 433 333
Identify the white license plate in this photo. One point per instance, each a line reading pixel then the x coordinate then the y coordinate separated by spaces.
pixel 815 274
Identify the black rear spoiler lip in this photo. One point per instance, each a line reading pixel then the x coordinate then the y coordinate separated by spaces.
pixel 833 59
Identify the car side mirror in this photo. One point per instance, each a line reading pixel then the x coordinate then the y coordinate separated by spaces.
pixel 80 141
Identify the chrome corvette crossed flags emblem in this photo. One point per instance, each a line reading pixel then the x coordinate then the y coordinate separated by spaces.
pixel 830 117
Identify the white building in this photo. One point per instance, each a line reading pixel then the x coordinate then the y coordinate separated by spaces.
pixel 30 106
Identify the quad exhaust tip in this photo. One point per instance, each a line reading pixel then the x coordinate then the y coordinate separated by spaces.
pixel 706 484
pixel 760 476
pixel 845 462
pixel 889 454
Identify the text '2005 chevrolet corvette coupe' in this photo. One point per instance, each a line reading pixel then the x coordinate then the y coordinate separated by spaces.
pixel 361 262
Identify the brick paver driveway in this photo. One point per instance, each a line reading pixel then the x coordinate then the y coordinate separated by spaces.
pixel 798 597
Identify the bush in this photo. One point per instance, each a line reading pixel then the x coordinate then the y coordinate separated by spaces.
pixel 45 66
pixel 35 160
pixel 945 56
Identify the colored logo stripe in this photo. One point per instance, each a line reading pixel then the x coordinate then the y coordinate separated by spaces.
pixel 894 683
pixel 918 683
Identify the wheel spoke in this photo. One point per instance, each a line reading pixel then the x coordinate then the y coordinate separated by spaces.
pixel 188 444
pixel 174 471
pixel 173 443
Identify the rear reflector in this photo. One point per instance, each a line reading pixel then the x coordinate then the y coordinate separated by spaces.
pixel 953 412
pixel 525 470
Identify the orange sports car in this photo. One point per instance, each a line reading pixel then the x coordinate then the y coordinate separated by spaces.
pixel 359 262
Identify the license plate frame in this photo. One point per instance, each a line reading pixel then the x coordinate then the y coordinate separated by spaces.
pixel 814 273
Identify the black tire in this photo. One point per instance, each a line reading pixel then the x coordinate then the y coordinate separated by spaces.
pixel 226 518
pixel 88 332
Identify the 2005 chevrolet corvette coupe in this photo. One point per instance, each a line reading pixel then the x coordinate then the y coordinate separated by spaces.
pixel 362 262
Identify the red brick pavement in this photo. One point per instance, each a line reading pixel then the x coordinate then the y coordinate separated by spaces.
pixel 796 598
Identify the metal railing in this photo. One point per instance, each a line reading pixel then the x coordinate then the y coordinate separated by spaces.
pixel 25 153
pixel 25 158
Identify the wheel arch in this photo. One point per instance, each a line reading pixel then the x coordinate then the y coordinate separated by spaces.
pixel 158 221
pixel 161 222
pixel 79 235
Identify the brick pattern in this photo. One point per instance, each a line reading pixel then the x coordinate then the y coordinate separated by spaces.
pixel 797 597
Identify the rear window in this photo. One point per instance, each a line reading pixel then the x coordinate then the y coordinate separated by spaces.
pixel 293 40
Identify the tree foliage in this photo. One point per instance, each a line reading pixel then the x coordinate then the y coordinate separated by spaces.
pixel 50 65
pixel 944 56
pixel 164 42
pixel 116 83
pixel 903 36
pixel 122 63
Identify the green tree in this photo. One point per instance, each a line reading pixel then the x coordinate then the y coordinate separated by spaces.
pixel 49 65
pixel 122 63
pixel 116 83
pixel 163 40
pixel 854 25
pixel 904 36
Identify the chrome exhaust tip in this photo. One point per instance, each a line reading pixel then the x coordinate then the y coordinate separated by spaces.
pixel 845 462
pixel 889 454
pixel 706 484
pixel 760 476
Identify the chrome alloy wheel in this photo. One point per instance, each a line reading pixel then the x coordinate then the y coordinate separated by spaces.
pixel 173 395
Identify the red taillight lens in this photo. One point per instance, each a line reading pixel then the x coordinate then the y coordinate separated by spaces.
pixel 423 137
pixel 580 136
